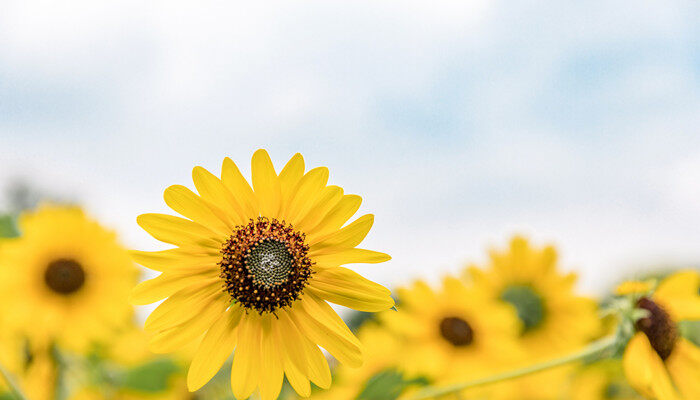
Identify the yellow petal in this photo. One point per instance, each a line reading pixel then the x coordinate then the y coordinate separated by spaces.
pixel 290 176
pixel 183 305
pixel 645 371
pixel 346 238
pixel 271 372
pixel 183 201
pixel 266 184
pixel 294 359
pixel 238 186
pixel 327 199
pixel 306 193
pixel 176 261
pixel 245 371
pixel 216 346
pixel 213 191
pixel 175 338
pixel 178 231
pixel 309 356
pixel 679 293
pixel 347 288
pixel 351 256
pixel 684 366
pixel 317 321
pixel 336 217
pixel 166 284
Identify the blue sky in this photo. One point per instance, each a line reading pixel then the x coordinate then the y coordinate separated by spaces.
pixel 460 123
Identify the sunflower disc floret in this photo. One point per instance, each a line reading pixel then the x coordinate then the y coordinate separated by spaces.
pixel 265 265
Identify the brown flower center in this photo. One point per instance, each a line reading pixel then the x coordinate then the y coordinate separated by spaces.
pixel 658 326
pixel 64 276
pixel 456 331
pixel 265 265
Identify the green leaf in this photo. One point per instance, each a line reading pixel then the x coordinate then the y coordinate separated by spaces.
pixel 8 229
pixel 150 377
pixel 7 396
pixel 388 385
pixel 690 330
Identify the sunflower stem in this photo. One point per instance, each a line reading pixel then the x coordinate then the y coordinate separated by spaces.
pixel 593 350
pixel 11 385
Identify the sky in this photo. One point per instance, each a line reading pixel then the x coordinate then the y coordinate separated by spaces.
pixel 460 123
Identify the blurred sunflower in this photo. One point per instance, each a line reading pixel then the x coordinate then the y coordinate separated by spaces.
pixel 602 380
pixel 33 369
pixel 658 361
pixel 65 280
pixel 554 320
pixel 252 271
pixel 454 334
pixel 380 348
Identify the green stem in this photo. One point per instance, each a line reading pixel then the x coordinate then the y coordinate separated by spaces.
pixel 14 389
pixel 592 350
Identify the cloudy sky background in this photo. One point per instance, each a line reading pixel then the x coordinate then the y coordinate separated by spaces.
pixel 460 123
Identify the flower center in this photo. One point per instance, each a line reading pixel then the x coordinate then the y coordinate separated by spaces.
pixel 265 265
pixel 658 326
pixel 64 276
pixel 456 331
pixel 528 304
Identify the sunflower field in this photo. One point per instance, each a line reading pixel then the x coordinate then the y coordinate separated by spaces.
pixel 349 200
pixel 245 289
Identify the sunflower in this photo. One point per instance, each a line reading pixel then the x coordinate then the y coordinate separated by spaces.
pixel 33 369
pixel 454 333
pixel 658 361
pixel 554 320
pixel 380 349
pixel 602 380
pixel 253 269
pixel 65 280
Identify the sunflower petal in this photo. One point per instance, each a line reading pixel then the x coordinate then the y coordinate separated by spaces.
pixel 213 190
pixel 245 371
pixel 266 184
pixel 183 305
pixel 234 181
pixel 684 366
pixel 348 288
pixel 175 338
pixel 178 231
pixel 186 203
pixel 175 260
pixel 167 284
pixel 327 199
pixel 289 177
pixel 306 193
pixel 645 371
pixel 216 346
pixel 336 217
pixel 293 355
pixel 271 371
pixel 317 321
pixel 351 256
pixel 346 238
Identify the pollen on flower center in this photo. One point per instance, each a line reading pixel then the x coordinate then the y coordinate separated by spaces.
pixel 265 265
pixel 64 276
pixel 658 326
pixel 456 331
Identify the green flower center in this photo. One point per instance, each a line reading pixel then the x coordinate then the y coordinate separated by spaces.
pixel 528 304
pixel 456 331
pixel 64 276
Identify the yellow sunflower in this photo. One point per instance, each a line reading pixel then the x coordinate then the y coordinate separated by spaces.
pixel 602 380
pixel 380 348
pixel 658 361
pixel 554 319
pixel 253 269
pixel 65 280
pixel 32 369
pixel 452 334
